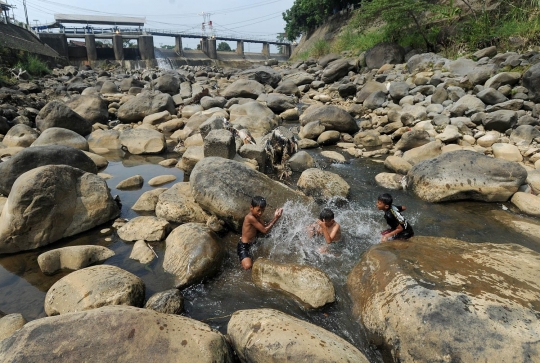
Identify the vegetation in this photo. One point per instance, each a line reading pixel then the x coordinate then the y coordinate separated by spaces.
pixel 165 46
pixel 224 47
pixel 33 66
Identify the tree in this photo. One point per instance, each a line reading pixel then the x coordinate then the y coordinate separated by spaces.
pixel 164 46
pixel 224 47
pixel 128 43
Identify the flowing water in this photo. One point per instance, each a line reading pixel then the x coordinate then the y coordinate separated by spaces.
pixel 23 286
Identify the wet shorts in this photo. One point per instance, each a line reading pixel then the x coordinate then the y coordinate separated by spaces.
pixel 243 250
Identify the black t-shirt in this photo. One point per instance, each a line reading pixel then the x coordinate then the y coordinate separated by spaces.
pixel 394 218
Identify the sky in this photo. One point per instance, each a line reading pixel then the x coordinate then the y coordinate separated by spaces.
pixel 253 18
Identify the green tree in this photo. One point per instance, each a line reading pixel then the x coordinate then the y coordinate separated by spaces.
pixel 224 47
pixel 128 43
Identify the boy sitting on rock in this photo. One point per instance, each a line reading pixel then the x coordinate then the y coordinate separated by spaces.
pixel 252 224
pixel 399 227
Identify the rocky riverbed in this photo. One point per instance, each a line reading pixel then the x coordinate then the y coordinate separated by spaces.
pixel 123 195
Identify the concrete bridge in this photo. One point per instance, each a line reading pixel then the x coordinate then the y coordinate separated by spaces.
pixel 144 38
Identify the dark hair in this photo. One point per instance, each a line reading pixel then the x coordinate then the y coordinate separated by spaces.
pixel 385 198
pixel 326 214
pixel 258 201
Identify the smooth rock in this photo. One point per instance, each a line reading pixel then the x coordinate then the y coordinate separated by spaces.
pixel 322 185
pixel 161 179
pixel 142 253
pixel 148 200
pixel 166 302
pixel 145 228
pixel 9 324
pixel 72 258
pixel 133 182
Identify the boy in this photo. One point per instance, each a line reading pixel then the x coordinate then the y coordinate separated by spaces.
pixel 399 227
pixel 252 224
pixel 326 226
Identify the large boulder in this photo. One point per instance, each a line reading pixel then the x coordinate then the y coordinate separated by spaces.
pixel 9 324
pixel 144 104
pixel 178 205
pixel 311 286
pixel 531 81
pixel 384 53
pixel 166 302
pixel 255 117
pixel 143 141
pixel 279 103
pixel 437 299
pixel 243 88
pixel 425 152
pixel 225 187
pixel 146 228
pixel 500 120
pixel 270 336
pixel 193 253
pixel 34 157
pixel 93 108
pixel 120 334
pixel 72 258
pixel 52 202
pixel 20 136
pixel 58 114
pixel 148 200
pixel 335 70
pixel 422 62
pixel 465 175
pixel 263 75
pixel 322 184
pixel 61 136
pixel 299 78
pixel 167 83
pixel 412 139
pixel 331 117
pixel 94 287
pixel 104 139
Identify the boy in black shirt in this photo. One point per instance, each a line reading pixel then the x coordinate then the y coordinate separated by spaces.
pixel 399 227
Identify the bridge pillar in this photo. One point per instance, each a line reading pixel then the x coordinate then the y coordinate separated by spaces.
pixel 118 47
pixel 178 46
pixel 266 49
pixel 240 48
pixel 91 52
pixel 211 48
pixel 146 47
pixel 204 47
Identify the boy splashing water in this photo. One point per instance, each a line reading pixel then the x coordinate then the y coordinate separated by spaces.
pixel 252 224
pixel 399 227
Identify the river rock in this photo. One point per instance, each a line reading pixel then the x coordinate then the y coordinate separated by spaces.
pixel 301 161
pixel 299 78
pixel 311 130
pixel 263 75
pixel 397 165
pixel 157 118
pixel 473 302
pixel 57 114
pixel 243 88
pixel 465 175
pixel 424 152
pixel 61 136
pixel 308 284
pixel 507 152
pixel 491 96
pixel 527 203
pixel 148 200
pixel 34 157
pixel 288 88
pixel 94 287
pixel 413 139
pixel 523 135
pixel 375 100
pixel 107 139
pixel 161 179
pixel 398 90
pixel 143 141
pixel 533 179
pixel 20 136
pixel 369 88
pixel 225 187
pixel 335 70
pixel 52 202
pixel 334 156
pixel 501 79
pixel 167 83
pixel 190 158
pixel 145 228
pixel 133 182
pixel 322 185
pixel 467 105
pixel 450 134
pixel 9 324
pixel 330 137
pixel 423 61
pixel 389 181
pixel 488 139
pixel 117 334
pixel 279 103
pixel 178 205
pixel 255 117
pixel 92 108
pixel 142 253
pixel 220 143
pixel 267 335
pixel 531 81
pixel 331 117
pixel 144 104
pixel 166 302
pixel 384 53
pixel 72 258
pixel 193 253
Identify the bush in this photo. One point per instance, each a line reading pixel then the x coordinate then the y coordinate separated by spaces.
pixel 320 48
pixel 33 66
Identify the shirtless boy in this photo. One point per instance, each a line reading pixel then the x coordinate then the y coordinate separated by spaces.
pixel 326 226
pixel 252 224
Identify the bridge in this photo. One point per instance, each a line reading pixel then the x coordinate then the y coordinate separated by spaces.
pixel 56 35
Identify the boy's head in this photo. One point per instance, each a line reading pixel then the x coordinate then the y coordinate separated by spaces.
pixel 258 205
pixel 384 201
pixel 327 216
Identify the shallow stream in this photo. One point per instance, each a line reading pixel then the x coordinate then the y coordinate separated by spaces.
pixel 23 286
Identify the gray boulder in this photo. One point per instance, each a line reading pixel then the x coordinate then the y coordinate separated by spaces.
pixel 52 202
pixel 4 126
pixel 57 114
pixel 335 70
pixel 9 324
pixel 35 157
pixel 504 78
pixel 523 135
pixel 301 161
pixel 224 188
pixel 72 258
pixel 299 78
pixel 193 253
pixel 93 108
pixel 144 104
pixel 369 88
pixel 422 62
pixel 288 88
pixel 146 228
pixel 375 100
pixel 254 116
pixel 331 117
pixel 326 59
pixel 531 81
pixel 412 139
pixel 166 302
pixel 398 90
pixel 177 205
pixel 20 136
pixel 143 141
pixel 384 53
pixel 491 96
pixel 167 83
pixel 500 120
pixel 311 130
pixel 263 75
pixel 61 136
pixel 322 185
pixel 279 103
pixel 465 175
pixel 211 102
pixel 220 143
pixel 243 88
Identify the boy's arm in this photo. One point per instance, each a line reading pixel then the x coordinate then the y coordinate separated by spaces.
pixel 324 232
pixel 265 228
pixel 398 229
